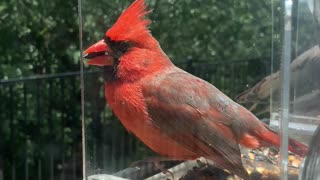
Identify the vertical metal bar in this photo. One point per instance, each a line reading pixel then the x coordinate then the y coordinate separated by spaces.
pixel 11 112
pixel 38 139
pixel 63 126
pixel 241 73
pixel 285 91
pixel 25 113
pixel 82 92
pixel 247 71
pixel 295 94
pixel 1 150
pixel 26 168
pixel 25 102
pixel 74 166
pixel 94 152
pixel 74 152
pixel 272 35
pixel 272 55
pixel 296 51
pixel 104 156
pixel 122 145
pixel 38 104
pixel 51 165
pixel 232 81
pixel 51 155
pixel 113 153
pixel 130 141
pixel 13 171
pixel 13 168
pixel 1 173
pixel 39 169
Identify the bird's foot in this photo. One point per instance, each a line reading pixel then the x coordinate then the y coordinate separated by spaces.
pixel 162 169
pixel 158 163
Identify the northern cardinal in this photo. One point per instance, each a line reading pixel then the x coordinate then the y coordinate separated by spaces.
pixel 176 114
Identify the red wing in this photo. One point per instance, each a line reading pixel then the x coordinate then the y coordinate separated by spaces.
pixel 181 106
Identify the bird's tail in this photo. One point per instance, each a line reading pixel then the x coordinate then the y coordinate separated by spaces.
pixel 271 137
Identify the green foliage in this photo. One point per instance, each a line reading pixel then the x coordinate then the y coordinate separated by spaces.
pixel 37 37
pixel 214 30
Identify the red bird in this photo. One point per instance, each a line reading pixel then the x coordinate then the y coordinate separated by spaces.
pixel 176 114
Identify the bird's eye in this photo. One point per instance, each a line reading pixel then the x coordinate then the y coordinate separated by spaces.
pixel 118 47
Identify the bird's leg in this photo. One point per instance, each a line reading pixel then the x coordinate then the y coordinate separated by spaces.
pixel 162 169
pixel 202 164
pixel 157 162
pixel 207 162
pixel 161 163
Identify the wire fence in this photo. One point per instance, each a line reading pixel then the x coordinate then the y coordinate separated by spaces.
pixel 40 131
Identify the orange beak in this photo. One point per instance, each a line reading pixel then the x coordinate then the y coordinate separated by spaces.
pixel 98 54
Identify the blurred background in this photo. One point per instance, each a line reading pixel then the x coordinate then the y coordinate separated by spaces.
pixel 232 44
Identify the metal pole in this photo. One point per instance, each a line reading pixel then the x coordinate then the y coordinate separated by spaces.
pixel 82 91
pixel 285 91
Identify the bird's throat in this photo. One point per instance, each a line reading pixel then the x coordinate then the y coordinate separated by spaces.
pixel 110 73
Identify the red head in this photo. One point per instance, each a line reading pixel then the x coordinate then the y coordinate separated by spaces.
pixel 128 44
